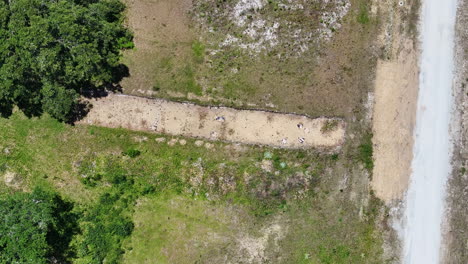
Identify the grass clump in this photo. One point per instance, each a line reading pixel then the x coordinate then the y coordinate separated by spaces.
pixel 366 151
pixel 198 50
pixel 132 153
pixel 330 125
pixel 363 13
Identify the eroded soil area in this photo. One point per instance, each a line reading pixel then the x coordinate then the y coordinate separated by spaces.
pixel 216 123
pixel 396 90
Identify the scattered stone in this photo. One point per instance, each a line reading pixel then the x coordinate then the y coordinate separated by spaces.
pixel 214 135
pixel 11 179
pixel 208 145
pixel 7 151
pixel 182 142
pixel 220 118
pixel 198 143
pixel 172 142
pixel 140 139
pixel 267 165
pixel 160 140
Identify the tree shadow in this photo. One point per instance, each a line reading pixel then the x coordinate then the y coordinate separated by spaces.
pixel 80 110
pixel 61 233
pixel 83 106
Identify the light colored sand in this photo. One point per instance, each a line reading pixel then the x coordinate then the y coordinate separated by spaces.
pixel 215 123
pixel 396 89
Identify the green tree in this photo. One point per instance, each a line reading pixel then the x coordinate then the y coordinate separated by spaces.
pixel 35 228
pixel 53 51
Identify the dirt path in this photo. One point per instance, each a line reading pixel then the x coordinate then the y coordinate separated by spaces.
pixel 216 123
pixel 424 211
pixel 394 117
pixel 396 89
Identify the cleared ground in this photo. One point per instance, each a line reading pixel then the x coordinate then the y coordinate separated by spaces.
pixel 215 123
pixel 217 201
pixel 306 57
pixel 396 90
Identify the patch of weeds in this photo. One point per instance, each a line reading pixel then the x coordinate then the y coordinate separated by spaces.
pixel 198 50
pixel 278 164
pixel 330 125
pixel 363 13
pixel 300 154
pixel 187 81
pixel 106 223
pixel 335 255
pixel 462 171
pixel 156 88
pixel 365 152
pixel 104 227
pixel 334 157
pixel 414 18
pixel 132 153
pixel 166 63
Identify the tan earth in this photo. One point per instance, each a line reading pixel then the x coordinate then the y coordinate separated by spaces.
pixel 396 90
pixel 215 123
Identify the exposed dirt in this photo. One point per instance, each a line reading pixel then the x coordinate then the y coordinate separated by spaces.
pixel 396 90
pixel 180 55
pixel 161 29
pixel 394 117
pixel 12 180
pixel 394 112
pixel 216 123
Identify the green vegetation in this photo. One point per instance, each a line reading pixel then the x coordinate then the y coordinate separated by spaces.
pixel 329 126
pixel 35 227
pixel 52 51
pixel 105 224
pixel 132 153
pixel 198 51
pixel 204 52
pixel 363 14
pixel 151 207
pixel 366 152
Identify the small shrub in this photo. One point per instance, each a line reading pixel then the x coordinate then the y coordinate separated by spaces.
pixel 335 157
pixel 198 50
pixel 366 152
pixel 132 153
pixel 329 126
pixel 462 170
pixel 363 15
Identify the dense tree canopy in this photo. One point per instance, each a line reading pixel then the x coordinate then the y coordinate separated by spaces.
pixel 35 228
pixel 53 50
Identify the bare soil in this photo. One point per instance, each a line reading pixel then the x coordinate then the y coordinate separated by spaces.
pixel 216 123
pixel 180 57
pixel 396 90
pixel 394 118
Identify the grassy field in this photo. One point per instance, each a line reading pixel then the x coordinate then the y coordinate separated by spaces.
pixel 195 201
pixel 283 58
pixel 206 203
